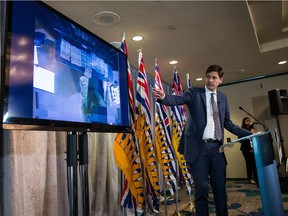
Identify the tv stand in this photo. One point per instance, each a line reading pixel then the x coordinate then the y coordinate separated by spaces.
pixel 79 140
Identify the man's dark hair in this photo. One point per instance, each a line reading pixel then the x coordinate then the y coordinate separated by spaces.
pixel 216 68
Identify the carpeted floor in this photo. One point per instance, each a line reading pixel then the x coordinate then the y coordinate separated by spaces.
pixel 243 199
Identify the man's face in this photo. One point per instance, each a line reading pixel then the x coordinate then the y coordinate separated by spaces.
pixel 212 80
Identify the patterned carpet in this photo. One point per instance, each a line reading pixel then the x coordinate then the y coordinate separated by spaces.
pixel 243 199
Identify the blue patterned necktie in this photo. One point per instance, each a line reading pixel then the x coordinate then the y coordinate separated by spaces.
pixel 218 133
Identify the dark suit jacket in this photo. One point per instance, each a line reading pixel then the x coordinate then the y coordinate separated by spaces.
pixel 191 142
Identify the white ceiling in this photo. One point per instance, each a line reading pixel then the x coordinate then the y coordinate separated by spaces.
pixel 234 34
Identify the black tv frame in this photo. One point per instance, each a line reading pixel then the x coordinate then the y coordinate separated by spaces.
pixel 32 123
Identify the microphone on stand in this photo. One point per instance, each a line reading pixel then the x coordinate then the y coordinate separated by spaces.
pixel 252 125
pixel 256 120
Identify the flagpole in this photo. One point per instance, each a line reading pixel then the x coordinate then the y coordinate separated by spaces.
pixel 190 207
pixel 163 176
pixel 122 179
pixel 176 192
pixel 177 173
pixel 165 195
pixel 143 170
pixel 144 176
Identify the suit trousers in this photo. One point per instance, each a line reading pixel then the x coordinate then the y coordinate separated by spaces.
pixel 210 163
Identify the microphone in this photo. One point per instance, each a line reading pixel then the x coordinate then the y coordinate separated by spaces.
pixel 256 120
pixel 253 123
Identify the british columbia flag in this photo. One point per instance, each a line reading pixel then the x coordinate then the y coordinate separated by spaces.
pixel 144 134
pixel 126 153
pixel 178 122
pixel 165 151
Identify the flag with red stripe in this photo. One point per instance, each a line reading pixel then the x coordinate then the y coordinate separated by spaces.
pixel 126 153
pixel 178 123
pixel 144 133
pixel 165 151
pixel 180 91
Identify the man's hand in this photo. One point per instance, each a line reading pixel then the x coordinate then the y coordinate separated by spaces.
pixel 158 93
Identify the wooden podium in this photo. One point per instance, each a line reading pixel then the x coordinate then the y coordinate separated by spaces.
pixel 267 172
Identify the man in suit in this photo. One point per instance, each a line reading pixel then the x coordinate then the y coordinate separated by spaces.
pixel 202 137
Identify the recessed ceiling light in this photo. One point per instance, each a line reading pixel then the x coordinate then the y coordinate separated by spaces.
pixel 172 27
pixel 137 38
pixel 282 62
pixel 240 71
pixel 173 62
pixel 199 79
pixel 106 18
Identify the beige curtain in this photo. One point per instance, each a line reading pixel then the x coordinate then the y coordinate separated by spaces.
pixel 105 175
pixel 34 176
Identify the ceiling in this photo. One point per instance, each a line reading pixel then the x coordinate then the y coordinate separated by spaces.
pixel 247 39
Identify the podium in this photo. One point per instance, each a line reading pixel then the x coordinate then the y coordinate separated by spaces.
pixel 267 172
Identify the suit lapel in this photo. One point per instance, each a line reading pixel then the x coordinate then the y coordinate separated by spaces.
pixel 203 96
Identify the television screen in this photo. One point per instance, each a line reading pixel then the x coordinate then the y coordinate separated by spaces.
pixel 60 76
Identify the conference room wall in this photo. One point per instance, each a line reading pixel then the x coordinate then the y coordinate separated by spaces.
pixel 253 97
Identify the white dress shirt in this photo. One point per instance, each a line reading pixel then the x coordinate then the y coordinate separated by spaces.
pixel 209 131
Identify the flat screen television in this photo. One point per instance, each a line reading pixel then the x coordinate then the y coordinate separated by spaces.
pixel 57 75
